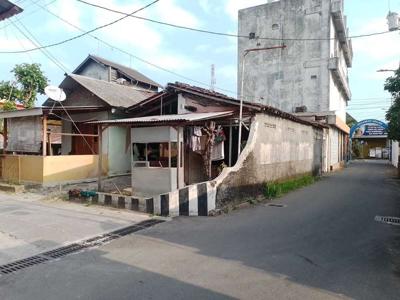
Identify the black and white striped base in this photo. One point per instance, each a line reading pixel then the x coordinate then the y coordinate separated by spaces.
pixel 194 200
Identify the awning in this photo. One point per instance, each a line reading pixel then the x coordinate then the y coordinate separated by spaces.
pixel 165 119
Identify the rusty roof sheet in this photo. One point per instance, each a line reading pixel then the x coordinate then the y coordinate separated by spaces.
pixel 173 87
pixel 183 118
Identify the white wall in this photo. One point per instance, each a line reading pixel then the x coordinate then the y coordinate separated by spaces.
pixel 395 153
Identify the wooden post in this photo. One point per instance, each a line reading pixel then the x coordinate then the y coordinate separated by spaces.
pixel 50 150
pixel 178 163
pixel 230 144
pixel 44 142
pixel 100 160
pixel 5 136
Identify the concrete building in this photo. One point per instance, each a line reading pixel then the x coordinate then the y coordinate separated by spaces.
pixel 309 77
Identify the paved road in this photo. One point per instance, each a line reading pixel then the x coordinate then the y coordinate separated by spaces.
pixel 324 244
pixel 29 225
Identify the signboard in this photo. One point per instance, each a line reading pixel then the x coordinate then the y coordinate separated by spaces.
pixel 369 128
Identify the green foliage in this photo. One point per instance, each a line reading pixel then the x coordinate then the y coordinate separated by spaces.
pixel 9 105
pixel 392 85
pixel 278 189
pixel 29 82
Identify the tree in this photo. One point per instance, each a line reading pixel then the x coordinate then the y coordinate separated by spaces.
pixel 29 82
pixel 392 85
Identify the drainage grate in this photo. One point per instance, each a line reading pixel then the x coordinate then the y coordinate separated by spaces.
pixel 75 247
pixel 276 205
pixel 22 264
pixel 388 220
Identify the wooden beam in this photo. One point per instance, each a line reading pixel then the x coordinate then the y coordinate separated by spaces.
pixel 100 160
pixel 230 146
pixel 5 135
pixel 44 142
pixel 74 134
pixel 178 163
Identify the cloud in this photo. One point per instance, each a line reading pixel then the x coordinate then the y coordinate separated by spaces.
pixel 380 47
pixel 232 6
pixel 175 62
pixel 67 10
pixel 228 72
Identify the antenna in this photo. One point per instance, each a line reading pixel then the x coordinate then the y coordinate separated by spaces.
pixel 55 93
pixel 213 79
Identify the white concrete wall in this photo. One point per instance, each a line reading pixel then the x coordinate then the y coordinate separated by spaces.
pixel 334 146
pixel 395 153
pixel 277 149
pixel 298 75
pixel 293 77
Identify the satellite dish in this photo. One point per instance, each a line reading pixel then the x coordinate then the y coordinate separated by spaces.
pixel 55 93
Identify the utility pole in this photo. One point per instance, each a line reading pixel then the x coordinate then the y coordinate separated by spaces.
pixel 245 53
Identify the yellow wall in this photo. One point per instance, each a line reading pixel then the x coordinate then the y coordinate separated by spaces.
pixel 71 168
pixel 50 169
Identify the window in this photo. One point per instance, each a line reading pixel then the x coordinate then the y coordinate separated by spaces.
pixel 156 154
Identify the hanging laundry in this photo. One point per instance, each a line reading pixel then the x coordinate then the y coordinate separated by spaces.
pixel 217 152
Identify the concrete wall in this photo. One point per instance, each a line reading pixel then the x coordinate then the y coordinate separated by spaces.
pixel 50 170
pixel 277 149
pixel 96 71
pixel 395 153
pixel 298 75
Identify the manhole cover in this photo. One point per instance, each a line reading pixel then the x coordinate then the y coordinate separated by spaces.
pixel 388 220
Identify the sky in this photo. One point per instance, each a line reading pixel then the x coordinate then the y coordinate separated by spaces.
pixel 185 53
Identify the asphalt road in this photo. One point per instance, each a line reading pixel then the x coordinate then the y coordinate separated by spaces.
pixel 30 225
pixel 324 244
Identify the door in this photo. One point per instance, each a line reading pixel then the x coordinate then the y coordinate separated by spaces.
pixel 82 145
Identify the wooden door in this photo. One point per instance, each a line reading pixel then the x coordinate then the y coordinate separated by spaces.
pixel 79 145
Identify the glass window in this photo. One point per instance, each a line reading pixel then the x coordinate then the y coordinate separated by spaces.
pixel 174 154
pixel 157 155
pixel 139 152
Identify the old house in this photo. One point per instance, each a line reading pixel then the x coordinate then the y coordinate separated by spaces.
pixel 55 143
pixel 184 150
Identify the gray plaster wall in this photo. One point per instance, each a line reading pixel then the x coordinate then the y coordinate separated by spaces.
pixel 277 149
pixel 96 71
pixel 297 75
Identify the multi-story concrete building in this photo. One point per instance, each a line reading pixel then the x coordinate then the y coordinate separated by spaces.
pixel 309 75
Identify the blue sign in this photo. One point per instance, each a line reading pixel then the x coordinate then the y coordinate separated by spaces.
pixel 368 128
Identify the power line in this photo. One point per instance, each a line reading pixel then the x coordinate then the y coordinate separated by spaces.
pixel 223 33
pixel 137 57
pixel 30 13
pixel 83 34
pixel 35 42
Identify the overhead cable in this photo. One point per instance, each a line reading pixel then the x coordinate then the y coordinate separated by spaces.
pixel 26 14
pixel 81 35
pixel 224 33
pixel 35 42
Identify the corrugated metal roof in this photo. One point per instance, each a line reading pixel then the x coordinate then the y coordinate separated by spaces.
pixel 129 72
pixel 8 9
pixel 29 112
pixel 168 118
pixel 114 94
